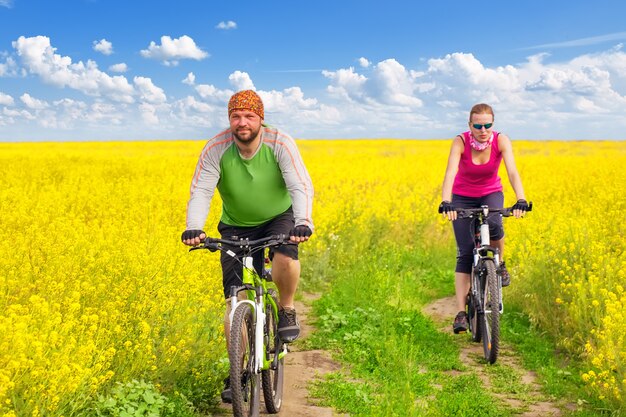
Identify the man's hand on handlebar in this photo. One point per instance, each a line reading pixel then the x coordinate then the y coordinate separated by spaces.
pixel 300 233
pixel 193 237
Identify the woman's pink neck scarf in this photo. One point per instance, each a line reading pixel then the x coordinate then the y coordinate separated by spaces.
pixel 478 146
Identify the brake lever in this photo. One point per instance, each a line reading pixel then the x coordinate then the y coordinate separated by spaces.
pixel 212 246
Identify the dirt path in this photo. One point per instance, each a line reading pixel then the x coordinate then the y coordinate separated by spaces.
pixel 304 366
pixel 532 403
pixel 301 367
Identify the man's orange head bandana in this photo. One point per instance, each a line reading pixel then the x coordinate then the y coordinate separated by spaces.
pixel 246 100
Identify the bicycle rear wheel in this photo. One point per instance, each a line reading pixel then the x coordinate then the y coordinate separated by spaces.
pixel 244 381
pixel 272 379
pixel 491 316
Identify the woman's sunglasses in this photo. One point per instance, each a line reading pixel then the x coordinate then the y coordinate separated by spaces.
pixel 479 127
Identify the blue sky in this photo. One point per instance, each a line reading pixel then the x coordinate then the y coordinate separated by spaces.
pixel 140 70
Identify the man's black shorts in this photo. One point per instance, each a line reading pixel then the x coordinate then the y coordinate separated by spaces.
pixel 232 269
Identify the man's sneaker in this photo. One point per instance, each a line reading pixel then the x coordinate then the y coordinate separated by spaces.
pixel 227 396
pixel 288 326
pixel 460 323
pixel 506 277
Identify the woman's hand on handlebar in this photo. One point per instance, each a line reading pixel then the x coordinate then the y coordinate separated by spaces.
pixel 447 209
pixel 193 237
pixel 520 208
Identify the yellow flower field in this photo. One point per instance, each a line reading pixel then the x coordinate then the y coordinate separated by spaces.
pixel 97 288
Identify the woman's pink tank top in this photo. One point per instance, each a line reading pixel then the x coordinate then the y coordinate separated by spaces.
pixel 478 180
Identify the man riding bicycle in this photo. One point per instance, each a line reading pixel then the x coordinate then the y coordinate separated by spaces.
pixel 265 190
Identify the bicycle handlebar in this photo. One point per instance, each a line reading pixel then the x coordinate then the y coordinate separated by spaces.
pixel 213 243
pixel 464 213
pixel 245 242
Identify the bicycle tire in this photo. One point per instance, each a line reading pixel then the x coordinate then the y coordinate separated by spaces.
pixel 272 379
pixel 244 381
pixel 491 315
pixel 473 319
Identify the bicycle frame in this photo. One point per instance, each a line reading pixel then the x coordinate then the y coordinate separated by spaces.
pixel 255 351
pixel 257 295
pixel 482 251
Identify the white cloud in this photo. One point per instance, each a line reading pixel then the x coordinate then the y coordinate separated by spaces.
pixel 394 85
pixel 38 58
pixel 6 3
pixel 198 115
pixel 33 103
pixel 541 97
pixel 148 114
pixel 148 92
pixel 108 113
pixel 206 90
pixel 121 67
pixel 6 100
pixel 426 102
pixel 197 106
pixel 103 46
pixel 190 79
pixel 364 62
pixel 213 94
pixel 586 106
pixel 347 84
pixel 68 113
pixel 172 50
pixel 286 108
pixel 241 81
pixel 461 70
pixel 9 68
pixel 390 84
pixel 226 25
pixel 287 100
pixel 18 114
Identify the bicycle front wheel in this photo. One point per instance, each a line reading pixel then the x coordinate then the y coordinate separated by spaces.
pixel 272 378
pixel 491 316
pixel 244 381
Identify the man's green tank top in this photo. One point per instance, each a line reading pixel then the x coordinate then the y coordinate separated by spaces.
pixel 253 191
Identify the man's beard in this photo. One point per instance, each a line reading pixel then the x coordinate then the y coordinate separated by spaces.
pixel 250 138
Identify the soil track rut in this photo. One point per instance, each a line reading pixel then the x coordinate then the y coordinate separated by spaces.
pixel 534 402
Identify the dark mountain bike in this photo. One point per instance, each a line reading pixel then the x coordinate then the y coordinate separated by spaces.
pixel 484 300
pixel 255 351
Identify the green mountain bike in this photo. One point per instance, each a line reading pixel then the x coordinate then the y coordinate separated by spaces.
pixel 484 300
pixel 255 351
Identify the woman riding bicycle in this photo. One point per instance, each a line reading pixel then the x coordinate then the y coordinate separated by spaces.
pixel 472 180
